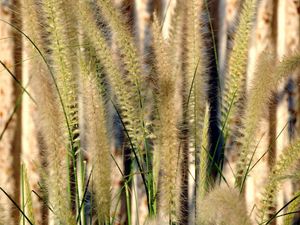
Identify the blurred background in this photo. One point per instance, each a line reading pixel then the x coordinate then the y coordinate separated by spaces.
pixel 277 29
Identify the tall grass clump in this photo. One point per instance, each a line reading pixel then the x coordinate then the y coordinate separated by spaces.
pixel 167 143
pixel 258 97
pixel 220 205
pixel 97 138
pixel 235 77
pixel 84 59
pixel 52 123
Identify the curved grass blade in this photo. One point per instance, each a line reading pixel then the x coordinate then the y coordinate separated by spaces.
pixel 17 81
pixel 18 103
pixel 282 208
pixel 33 191
pixel 84 195
pixel 51 73
pixel 217 167
pixel 249 164
pixel 288 213
pixel 263 155
pixel 16 205
pixel 132 147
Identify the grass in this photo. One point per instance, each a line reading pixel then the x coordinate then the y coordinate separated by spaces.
pixel 84 80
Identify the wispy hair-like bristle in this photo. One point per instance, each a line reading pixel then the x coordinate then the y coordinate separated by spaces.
pixel 128 100
pixel 235 79
pixel 96 137
pixel 286 162
pixel 265 81
pixel 167 143
pixel 223 206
